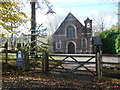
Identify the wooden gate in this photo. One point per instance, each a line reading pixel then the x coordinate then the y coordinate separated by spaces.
pixel 78 62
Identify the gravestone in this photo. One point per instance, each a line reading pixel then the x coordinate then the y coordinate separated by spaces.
pixel 19 61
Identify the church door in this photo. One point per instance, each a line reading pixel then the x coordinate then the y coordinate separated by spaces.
pixel 71 48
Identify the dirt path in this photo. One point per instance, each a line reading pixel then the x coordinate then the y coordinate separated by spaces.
pixel 48 81
pixel 52 81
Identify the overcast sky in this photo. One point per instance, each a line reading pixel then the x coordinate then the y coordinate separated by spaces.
pixel 81 9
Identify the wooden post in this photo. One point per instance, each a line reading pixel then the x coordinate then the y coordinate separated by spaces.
pixel 45 62
pixel 26 61
pixel 98 63
pixel 6 52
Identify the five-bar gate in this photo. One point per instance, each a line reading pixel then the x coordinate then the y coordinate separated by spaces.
pixel 73 62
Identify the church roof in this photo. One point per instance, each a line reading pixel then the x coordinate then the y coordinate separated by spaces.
pixel 68 17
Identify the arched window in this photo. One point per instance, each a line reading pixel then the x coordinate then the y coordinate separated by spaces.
pixel 70 32
pixel 84 43
pixel 58 44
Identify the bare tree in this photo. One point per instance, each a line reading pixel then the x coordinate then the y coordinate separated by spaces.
pixel 118 13
pixel 101 21
pixel 53 22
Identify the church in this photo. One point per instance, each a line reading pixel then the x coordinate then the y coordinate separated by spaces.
pixel 72 37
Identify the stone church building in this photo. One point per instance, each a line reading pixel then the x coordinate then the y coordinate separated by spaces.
pixel 73 37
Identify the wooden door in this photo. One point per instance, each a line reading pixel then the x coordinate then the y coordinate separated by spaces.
pixel 71 48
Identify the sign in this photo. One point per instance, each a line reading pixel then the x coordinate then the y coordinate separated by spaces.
pixel 19 61
pixel 97 41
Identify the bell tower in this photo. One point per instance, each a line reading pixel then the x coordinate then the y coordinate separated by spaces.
pixel 88 23
pixel 88 34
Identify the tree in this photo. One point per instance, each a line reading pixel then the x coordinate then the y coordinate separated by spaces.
pixel 53 22
pixel 110 41
pixel 101 21
pixel 118 14
pixel 117 45
pixel 11 16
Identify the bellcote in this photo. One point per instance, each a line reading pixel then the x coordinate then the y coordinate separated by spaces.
pixel 88 23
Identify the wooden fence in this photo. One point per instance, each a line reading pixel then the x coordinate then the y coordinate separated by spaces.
pixel 30 63
pixel 48 62
pixel 111 59
pixel 111 65
pixel 51 63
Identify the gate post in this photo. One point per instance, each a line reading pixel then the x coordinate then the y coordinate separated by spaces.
pixel 98 62
pixel 6 52
pixel 26 61
pixel 97 65
pixel 45 62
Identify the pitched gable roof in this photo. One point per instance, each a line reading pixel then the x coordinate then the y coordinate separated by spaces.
pixel 68 17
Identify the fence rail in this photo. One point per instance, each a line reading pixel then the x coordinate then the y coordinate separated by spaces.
pixel 112 63
pixel 110 59
pixel 111 55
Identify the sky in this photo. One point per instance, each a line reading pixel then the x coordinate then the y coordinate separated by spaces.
pixel 81 9
pixel 85 8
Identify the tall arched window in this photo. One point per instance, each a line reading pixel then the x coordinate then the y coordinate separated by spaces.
pixel 70 32
pixel 84 43
pixel 58 44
